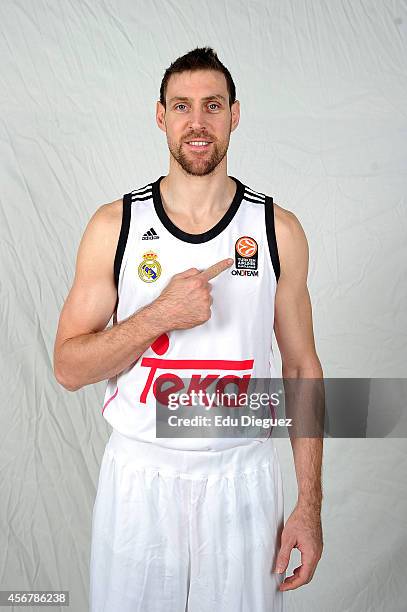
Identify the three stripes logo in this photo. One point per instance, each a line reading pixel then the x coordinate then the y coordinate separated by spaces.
pixel 150 234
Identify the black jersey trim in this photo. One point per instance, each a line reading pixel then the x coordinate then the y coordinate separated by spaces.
pixel 249 198
pixel 205 236
pixel 271 235
pixel 121 244
pixel 254 196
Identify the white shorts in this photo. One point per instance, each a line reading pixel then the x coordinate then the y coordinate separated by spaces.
pixel 178 531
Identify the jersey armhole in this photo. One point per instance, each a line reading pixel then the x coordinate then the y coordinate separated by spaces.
pixel 271 235
pixel 121 244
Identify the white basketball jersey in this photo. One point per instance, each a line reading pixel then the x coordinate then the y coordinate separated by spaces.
pixel 235 341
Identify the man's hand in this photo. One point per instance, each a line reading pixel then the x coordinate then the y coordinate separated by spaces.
pixel 302 530
pixel 186 300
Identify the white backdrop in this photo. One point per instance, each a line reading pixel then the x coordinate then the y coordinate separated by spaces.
pixel 323 92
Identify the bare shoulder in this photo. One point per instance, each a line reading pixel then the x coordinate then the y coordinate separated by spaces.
pixel 111 213
pixel 99 241
pixel 92 297
pixel 104 225
pixel 292 242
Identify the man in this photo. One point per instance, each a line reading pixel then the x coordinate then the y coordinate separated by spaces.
pixel 196 268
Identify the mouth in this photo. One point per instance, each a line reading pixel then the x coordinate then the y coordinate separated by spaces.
pixel 199 145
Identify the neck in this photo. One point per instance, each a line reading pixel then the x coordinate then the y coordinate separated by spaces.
pixel 182 193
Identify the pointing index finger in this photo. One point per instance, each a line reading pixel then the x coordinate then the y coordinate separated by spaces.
pixel 216 268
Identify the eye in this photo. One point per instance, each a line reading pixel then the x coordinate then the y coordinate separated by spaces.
pixel 180 104
pixel 214 103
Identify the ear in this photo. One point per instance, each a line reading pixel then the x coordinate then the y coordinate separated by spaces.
pixel 235 112
pixel 160 116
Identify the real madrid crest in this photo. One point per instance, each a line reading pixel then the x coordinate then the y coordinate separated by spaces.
pixel 149 269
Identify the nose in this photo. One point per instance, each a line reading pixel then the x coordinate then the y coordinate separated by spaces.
pixel 196 120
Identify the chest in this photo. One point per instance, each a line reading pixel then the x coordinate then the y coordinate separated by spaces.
pixel 151 259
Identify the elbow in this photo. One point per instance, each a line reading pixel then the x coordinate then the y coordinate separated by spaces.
pixel 62 369
pixel 64 381
pixel 309 367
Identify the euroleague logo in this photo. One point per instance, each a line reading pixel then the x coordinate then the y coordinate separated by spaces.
pixel 246 255
pixel 246 246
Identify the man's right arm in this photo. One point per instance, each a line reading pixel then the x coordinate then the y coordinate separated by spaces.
pixel 85 352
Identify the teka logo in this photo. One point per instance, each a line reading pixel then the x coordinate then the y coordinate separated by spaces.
pixel 198 381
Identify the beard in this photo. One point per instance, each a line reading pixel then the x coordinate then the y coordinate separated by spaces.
pixel 199 164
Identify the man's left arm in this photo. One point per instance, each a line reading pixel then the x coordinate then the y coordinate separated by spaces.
pixel 294 333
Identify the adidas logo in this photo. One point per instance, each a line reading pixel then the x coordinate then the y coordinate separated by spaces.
pixel 150 234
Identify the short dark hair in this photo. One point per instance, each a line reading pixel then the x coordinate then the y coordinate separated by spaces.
pixel 200 58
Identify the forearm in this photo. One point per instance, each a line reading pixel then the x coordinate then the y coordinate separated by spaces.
pixel 93 357
pixel 306 406
pixel 308 463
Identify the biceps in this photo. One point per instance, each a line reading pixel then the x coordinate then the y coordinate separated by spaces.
pixel 293 324
pixel 88 308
